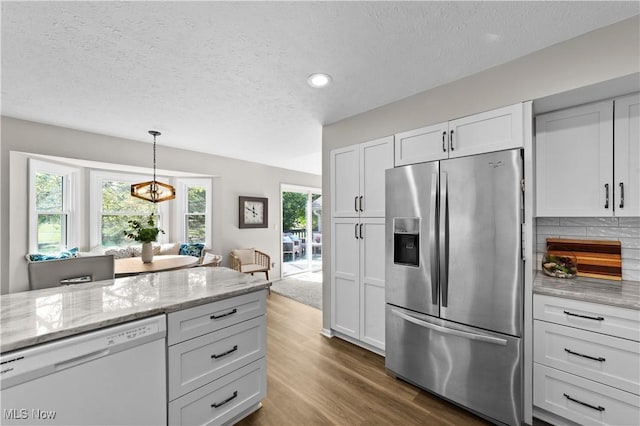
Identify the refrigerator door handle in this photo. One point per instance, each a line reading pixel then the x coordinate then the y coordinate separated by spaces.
pixel 433 258
pixel 444 240
pixel 451 331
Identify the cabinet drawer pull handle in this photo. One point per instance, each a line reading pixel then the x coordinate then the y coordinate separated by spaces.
pixel 444 143
pixel 606 195
pixel 235 394
pixel 451 141
pixel 235 348
pixel 231 312
pixel 622 195
pixel 584 316
pixel 585 356
pixel 599 408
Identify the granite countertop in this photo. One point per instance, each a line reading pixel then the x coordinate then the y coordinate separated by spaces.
pixel 625 294
pixel 31 317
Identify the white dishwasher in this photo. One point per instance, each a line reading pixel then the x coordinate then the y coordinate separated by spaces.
pixel 111 376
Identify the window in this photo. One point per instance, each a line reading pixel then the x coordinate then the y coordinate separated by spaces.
pixel 194 201
pixel 52 195
pixel 113 206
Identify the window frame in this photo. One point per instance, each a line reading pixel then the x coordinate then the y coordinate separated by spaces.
pixel 70 201
pixel 96 177
pixel 182 206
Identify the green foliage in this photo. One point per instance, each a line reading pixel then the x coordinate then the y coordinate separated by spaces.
pixel 141 231
pixel 48 192
pixel 294 206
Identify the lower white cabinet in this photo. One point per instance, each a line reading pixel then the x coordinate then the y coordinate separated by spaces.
pixel 216 360
pixel 586 362
pixel 581 400
pixel 357 280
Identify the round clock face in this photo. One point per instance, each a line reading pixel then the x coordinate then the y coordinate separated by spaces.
pixel 253 212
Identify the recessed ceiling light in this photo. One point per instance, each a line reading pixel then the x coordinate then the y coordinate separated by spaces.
pixel 319 80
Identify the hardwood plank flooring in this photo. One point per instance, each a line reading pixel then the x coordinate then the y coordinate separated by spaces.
pixel 313 380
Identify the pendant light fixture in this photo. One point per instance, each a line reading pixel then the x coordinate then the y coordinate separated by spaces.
pixel 153 191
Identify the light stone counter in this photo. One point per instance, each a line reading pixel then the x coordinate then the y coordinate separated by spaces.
pixel 32 317
pixel 625 294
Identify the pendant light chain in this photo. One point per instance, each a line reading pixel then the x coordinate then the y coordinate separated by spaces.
pixel 154 160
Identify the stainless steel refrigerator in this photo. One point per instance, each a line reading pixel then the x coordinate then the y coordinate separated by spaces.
pixel 454 278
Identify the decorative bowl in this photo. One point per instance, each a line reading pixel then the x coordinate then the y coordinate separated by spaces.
pixel 560 266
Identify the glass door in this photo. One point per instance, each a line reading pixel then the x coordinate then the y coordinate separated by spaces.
pixel 301 230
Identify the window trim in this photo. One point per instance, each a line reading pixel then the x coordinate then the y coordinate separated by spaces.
pixel 70 200
pixel 96 177
pixel 181 209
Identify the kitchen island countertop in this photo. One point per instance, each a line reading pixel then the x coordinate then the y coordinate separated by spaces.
pixel 624 294
pixel 32 317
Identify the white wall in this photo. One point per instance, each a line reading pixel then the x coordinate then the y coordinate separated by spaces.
pixel 234 178
pixel 608 53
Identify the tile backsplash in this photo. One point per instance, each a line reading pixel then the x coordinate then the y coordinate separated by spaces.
pixel 623 229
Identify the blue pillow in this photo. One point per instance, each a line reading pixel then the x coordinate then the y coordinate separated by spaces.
pixel 191 249
pixel 66 254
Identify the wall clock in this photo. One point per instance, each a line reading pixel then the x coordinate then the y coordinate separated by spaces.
pixel 253 212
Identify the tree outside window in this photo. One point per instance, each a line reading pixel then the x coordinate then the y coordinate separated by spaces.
pixel 195 216
pixel 118 207
pixel 51 215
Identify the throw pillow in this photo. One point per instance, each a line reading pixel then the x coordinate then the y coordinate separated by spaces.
pixel 65 254
pixel 246 256
pixel 121 253
pixel 191 249
pixel 169 248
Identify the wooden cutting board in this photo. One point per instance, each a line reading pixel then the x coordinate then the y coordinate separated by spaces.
pixel 596 258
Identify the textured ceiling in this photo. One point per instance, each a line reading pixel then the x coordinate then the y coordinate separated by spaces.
pixel 229 78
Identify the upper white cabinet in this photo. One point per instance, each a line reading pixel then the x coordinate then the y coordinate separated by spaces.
pixel 585 167
pixel 489 131
pixel 357 178
pixel 626 173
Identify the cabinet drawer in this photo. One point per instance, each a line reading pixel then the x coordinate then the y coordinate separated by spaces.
pixel 199 361
pixel 581 400
pixel 605 359
pixel 612 320
pixel 199 320
pixel 222 400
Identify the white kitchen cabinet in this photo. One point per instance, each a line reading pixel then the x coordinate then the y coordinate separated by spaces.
pixel 586 362
pixel 626 172
pixel 587 160
pixel 357 178
pixel 216 360
pixel 357 279
pixel 494 130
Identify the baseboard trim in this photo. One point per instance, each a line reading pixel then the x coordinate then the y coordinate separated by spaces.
pixel 327 332
pixel 359 343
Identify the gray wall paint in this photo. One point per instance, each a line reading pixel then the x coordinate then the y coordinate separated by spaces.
pixel 234 178
pixel 608 53
pixel 623 229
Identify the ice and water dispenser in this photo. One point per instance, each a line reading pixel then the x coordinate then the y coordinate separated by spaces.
pixel 406 241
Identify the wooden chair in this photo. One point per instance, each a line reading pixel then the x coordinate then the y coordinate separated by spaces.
pixel 250 261
pixel 209 258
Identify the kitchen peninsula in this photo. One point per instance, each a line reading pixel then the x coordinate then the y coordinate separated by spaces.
pixel 209 329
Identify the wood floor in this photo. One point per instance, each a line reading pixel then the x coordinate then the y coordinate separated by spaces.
pixel 313 380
